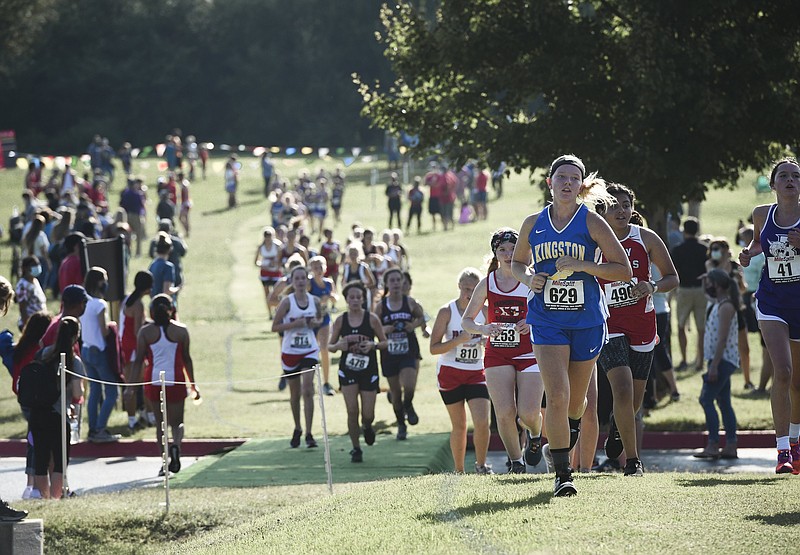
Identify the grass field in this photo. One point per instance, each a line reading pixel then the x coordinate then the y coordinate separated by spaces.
pixel 236 361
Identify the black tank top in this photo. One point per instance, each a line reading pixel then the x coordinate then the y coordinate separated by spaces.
pixel 364 332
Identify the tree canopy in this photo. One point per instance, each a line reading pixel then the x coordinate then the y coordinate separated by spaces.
pixel 667 97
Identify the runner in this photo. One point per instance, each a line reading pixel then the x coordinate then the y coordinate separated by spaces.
pixel 354 334
pixel 131 319
pixel 460 375
pixel 567 316
pixel 400 315
pixel 268 258
pixel 512 374
pixel 627 357
pixel 325 290
pixel 297 316
pixel 165 342
pixel 777 235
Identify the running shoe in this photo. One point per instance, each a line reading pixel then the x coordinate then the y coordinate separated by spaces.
pixel 310 441
pixel 356 455
pixel 613 444
pixel 296 438
pixel 548 458
pixel 564 486
pixel 104 436
pixel 483 468
pixel 411 415
pixel 328 390
pixel 282 384
pixel 795 452
pixel 369 435
pixel 517 468
pixel 675 397
pixel 784 465
pixel 633 467
pixel 402 432
pixel 174 459
pixel 608 465
pixel 9 514
pixel 533 453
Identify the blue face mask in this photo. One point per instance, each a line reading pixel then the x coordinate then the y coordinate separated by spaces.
pixel 36 271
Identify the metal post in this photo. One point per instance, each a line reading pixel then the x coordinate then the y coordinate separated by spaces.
pixel 164 439
pixel 62 370
pixel 373 181
pixel 324 429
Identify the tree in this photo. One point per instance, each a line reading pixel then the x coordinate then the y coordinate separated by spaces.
pixel 667 97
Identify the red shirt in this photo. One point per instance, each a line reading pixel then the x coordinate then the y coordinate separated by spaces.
pixel 50 336
pixel 70 272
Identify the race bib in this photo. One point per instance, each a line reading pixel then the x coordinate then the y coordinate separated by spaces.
pixel 356 362
pixel 302 340
pixel 398 344
pixel 784 269
pixel 507 338
pixel 468 353
pixel 619 293
pixel 563 295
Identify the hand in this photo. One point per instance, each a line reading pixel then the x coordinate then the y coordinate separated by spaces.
pixel 522 327
pixel 744 258
pixel 794 238
pixel 569 264
pixel 493 329
pixel 538 282
pixel 365 346
pixel 713 372
pixel 642 289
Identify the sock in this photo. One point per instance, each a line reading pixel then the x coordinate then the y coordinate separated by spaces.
pixel 630 461
pixel 520 461
pixel 783 443
pixel 407 400
pixel 132 421
pixel 794 432
pixel 561 460
pixel 574 431
pixel 401 418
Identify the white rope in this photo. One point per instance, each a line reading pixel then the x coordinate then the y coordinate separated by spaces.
pixel 170 382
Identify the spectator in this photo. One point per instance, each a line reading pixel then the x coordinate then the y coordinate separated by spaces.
pixel 752 275
pixel 267 171
pixel 164 280
pixel 125 155
pixel 690 261
pixel 165 208
pixel 415 199
pixel 394 193
pixel 30 296
pixel 71 270
pixel 231 179
pixel 133 200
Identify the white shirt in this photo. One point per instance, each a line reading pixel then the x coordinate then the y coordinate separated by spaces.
pixel 91 333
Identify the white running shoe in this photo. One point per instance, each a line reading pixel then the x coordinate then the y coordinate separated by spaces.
pixel 548 458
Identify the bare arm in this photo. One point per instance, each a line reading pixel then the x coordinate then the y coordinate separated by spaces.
pixel 375 322
pixel 474 307
pixel 659 255
pixel 188 363
pixel 438 346
pixel 336 329
pixel 754 248
pixel 520 261
pixel 725 314
pixel 617 266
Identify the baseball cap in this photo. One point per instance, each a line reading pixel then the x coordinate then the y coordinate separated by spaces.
pixel 73 294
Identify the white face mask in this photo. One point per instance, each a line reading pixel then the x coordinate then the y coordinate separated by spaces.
pixel 716 255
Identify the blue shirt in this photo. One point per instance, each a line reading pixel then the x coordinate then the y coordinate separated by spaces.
pixel 162 270
pixel 781 288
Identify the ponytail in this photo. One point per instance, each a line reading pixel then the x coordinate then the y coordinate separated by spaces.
pixel 141 283
pixel 161 310
pixel 594 192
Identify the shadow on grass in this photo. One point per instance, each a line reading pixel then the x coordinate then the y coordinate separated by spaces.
pixel 711 482
pixel 224 209
pixel 254 338
pixel 485 508
pixel 780 519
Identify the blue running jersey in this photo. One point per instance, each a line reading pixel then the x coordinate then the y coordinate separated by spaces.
pixel 574 301
pixel 780 279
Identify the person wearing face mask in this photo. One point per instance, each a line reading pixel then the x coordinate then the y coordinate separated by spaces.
pixel 30 296
pixel 719 256
pixel 94 326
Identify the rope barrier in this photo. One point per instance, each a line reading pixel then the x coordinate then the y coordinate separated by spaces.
pixel 171 382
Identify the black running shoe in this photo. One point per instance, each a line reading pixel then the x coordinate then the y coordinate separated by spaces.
pixel 564 486
pixel 310 441
pixel 9 514
pixel 296 438
pixel 402 432
pixel 282 384
pixel 369 435
pixel 356 455
pixel 613 441
pixel 633 467
pixel 533 453
pixel 574 431
pixel 174 459
pixel 517 468
pixel 411 415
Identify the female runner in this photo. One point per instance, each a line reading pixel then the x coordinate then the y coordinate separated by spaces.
pixel 354 334
pixel 632 330
pixel 131 319
pixel 297 316
pixel 460 375
pixel 567 312
pixel 268 258
pixel 400 315
pixel 166 342
pixel 777 235
pixel 512 374
pixel 324 289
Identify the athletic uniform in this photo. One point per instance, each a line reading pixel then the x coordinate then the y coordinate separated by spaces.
pixel 459 371
pixel 165 356
pixel 299 349
pixel 349 275
pixel 778 294
pixel 569 311
pixel 402 351
pixel 127 335
pixel 269 257
pixel 508 348
pixel 331 251
pixel 358 368
pixel 632 329
pixel 322 291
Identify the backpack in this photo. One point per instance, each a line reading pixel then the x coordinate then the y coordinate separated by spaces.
pixel 39 386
